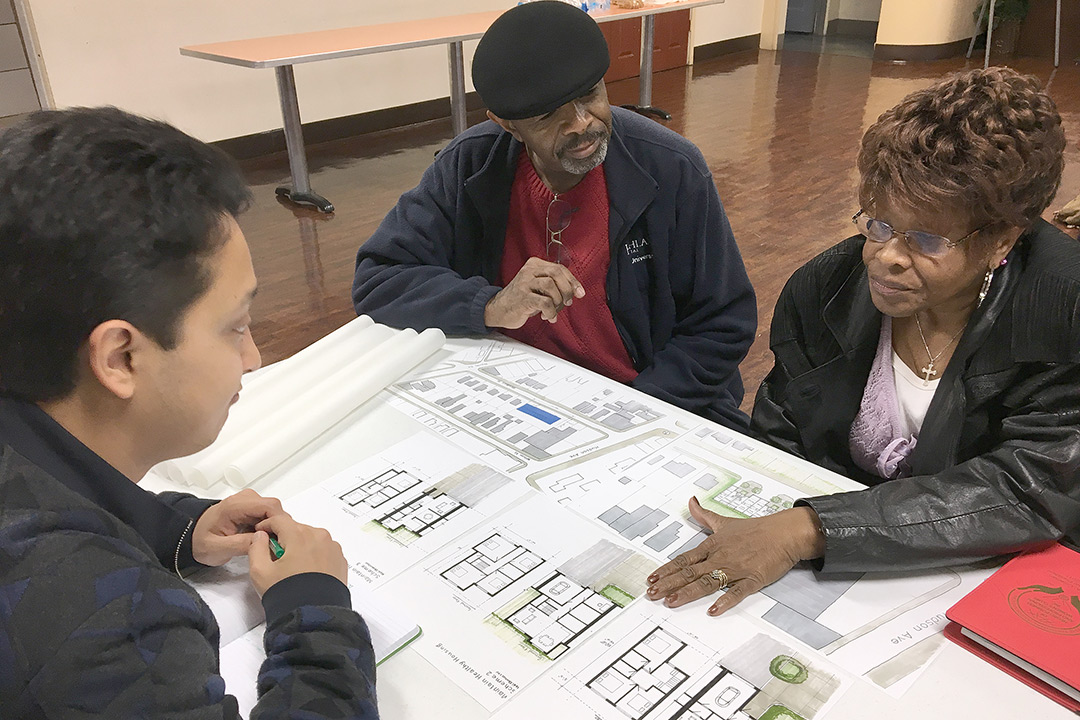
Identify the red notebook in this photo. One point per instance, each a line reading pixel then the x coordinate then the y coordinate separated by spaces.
pixel 1025 619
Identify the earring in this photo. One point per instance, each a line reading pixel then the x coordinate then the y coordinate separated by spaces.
pixel 985 286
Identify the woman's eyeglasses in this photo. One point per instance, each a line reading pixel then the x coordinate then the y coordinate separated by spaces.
pixel 923 243
pixel 558 219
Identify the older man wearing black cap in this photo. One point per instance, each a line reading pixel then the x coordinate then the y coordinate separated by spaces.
pixel 563 209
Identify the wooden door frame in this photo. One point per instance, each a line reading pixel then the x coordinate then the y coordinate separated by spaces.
pixel 773 20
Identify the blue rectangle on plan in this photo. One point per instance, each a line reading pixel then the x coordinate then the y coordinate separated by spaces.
pixel 542 415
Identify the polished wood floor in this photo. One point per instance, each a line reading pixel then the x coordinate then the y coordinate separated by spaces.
pixel 780 131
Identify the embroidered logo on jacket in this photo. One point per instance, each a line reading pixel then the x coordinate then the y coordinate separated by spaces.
pixel 638 250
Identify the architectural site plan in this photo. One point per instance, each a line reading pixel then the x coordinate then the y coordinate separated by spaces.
pixel 518 522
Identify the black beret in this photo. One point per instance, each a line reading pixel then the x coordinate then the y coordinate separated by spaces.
pixel 537 57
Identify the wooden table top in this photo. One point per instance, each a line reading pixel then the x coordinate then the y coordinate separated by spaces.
pixel 320 45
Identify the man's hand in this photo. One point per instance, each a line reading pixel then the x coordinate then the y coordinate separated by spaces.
pixel 752 553
pixel 307 549
pixel 225 529
pixel 1070 214
pixel 539 287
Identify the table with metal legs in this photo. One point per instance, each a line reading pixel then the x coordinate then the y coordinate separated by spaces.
pixel 648 39
pixel 284 51
pixel 456 52
pixel 300 192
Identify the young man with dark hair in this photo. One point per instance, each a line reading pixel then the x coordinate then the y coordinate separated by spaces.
pixel 125 287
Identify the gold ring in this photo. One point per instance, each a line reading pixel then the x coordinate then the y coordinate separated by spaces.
pixel 720 576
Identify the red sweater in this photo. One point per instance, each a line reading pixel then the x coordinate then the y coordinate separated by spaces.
pixel 585 333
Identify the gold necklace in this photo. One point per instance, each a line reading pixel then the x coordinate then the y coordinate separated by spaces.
pixel 929 370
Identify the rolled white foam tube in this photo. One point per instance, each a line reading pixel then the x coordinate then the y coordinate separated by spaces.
pixel 329 402
pixel 261 398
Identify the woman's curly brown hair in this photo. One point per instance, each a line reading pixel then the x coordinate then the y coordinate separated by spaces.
pixel 988 142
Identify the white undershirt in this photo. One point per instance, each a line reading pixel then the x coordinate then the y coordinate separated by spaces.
pixel 913 395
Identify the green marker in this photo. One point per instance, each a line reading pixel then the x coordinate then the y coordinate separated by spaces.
pixel 275 547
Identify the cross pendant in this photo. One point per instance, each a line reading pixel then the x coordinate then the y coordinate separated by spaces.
pixel 928 371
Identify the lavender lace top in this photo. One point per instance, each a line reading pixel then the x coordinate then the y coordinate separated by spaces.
pixel 878 442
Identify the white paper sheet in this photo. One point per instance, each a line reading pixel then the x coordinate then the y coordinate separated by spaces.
pixel 884 627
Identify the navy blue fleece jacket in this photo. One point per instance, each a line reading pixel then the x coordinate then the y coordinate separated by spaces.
pixel 676 285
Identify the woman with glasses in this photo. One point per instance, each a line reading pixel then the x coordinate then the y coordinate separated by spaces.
pixel 933 356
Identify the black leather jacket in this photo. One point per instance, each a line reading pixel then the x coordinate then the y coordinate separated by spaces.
pixel 997 465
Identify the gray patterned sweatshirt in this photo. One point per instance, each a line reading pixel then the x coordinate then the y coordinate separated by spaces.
pixel 94 620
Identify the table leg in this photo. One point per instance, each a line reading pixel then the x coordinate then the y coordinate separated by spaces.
pixel 648 40
pixel 457 87
pixel 300 192
pixel 978 23
pixel 989 34
pixel 1057 34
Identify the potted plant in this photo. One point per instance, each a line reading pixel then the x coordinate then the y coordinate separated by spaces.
pixel 1008 14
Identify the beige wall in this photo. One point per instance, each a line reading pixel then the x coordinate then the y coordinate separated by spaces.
pixel 731 19
pixel 832 10
pixel 925 22
pixel 858 9
pixel 125 53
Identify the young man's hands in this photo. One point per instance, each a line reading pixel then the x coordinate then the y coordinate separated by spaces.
pixel 226 529
pixel 307 549
pixel 242 524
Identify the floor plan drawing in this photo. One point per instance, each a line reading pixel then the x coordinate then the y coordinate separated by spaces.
pixel 400 508
pixel 652 674
pixel 721 696
pixel 762 679
pixel 553 607
pixel 408 507
pixel 649 665
pixel 557 611
pixel 493 564
pixel 518 592
pixel 395 508
pixel 644 676
pixel 384 487
pixel 421 514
